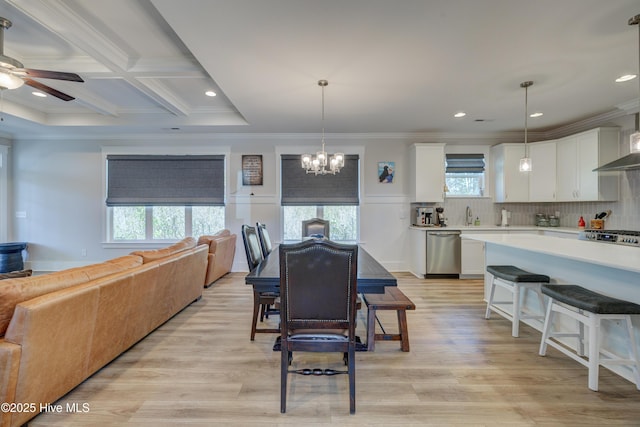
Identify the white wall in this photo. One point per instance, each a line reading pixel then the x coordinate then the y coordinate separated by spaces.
pixel 60 187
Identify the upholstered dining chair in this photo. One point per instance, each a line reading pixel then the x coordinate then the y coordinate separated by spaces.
pixel 266 247
pixel 318 307
pixel 260 299
pixel 265 240
pixel 315 226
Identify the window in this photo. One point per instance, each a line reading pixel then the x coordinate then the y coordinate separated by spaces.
pixel 156 198
pixel 465 175
pixel 331 197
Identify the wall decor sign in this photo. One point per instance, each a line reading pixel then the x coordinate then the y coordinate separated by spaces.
pixel 386 171
pixel 252 169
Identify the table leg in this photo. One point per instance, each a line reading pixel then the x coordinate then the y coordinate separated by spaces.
pixel 371 329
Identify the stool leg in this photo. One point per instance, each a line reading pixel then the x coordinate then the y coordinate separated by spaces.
pixel 580 349
pixel 546 329
pixel 633 351
pixel 540 300
pixel 403 329
pixel 515 327
pixel 594 350
pixel 487 313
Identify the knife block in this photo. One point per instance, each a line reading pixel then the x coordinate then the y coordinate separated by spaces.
pixel 597 224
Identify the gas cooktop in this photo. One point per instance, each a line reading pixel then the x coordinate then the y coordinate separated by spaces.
pixel 618 237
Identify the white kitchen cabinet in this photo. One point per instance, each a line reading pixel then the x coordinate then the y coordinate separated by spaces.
pixel 418 252
pixel 577 156
pixel 542 177
pixel 472 259
pixel 511 185
pixel 427 183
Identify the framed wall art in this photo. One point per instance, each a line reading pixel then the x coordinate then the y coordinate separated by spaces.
pixel 386 171
pixel 252 169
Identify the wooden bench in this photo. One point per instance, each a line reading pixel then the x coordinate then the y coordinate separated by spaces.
pixel 392 299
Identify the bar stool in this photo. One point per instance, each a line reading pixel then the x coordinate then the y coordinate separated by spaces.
pixel 590 309
pixel 513 279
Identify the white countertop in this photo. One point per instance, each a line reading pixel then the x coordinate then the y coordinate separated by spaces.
pixel 605 254
pixel 481 228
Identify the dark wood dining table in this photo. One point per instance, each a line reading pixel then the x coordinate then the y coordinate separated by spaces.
pixel 372 277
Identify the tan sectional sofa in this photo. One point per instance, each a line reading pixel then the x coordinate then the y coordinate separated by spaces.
pixel 60 328
pixel 222 249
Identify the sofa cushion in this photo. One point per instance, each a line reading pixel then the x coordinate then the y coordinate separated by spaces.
pixel 14 274
pixel 156 254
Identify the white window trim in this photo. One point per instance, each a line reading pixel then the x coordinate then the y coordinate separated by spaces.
pixel 4 191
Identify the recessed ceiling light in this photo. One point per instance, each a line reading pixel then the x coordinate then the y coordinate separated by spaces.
pixel 460 114
pixel 210 93
pixel 625 78
pixel 538 114
pixel 40 94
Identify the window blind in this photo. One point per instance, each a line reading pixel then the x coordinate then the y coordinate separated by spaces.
pixel 465 163
pixel 144 180
pixel 299 188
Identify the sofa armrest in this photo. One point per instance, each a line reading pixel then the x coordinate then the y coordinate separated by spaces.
pixel 9 364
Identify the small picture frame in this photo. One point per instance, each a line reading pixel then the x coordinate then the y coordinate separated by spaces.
pixel 252 173
pixel 386 172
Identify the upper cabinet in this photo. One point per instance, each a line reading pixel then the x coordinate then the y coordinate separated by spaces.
pixel 577 156
pixel 427 182
pixel 562 170
pixel 511 185
pixel 542 177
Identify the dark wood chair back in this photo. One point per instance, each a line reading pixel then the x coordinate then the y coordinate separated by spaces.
pixel 318 280
pixel 265 240
pixel 251 246
pixel 315 226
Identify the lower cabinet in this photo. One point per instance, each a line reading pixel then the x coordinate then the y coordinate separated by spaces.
pixel 418 252
pixel 472 257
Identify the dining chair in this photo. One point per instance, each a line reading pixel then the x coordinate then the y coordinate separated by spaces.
pixel 315 226
pixel 266 247
pixel 318 309
pixel 265 241
pixel 260 299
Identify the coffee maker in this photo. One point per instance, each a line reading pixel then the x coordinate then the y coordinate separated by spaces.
pixel 440 220
pixel 423 217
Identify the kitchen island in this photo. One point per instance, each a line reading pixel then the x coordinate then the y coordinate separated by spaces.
pixel 606 268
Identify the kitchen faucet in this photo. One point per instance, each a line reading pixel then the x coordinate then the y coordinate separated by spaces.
pixel 469 216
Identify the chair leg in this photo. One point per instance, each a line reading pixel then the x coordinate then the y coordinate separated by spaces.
pixel 256 308
pixel 546 329
pixel 487 313
pixel 594 350
pixel 515 326
pixel 284 371
pixel 352 379
pixel 633 351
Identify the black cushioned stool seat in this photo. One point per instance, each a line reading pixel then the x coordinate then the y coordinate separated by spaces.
pixel 589 308
pixel 515 274
pixel 513 279
pixel 584 299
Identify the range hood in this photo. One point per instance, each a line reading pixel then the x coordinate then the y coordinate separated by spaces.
pixel 629 162
pixel 632 160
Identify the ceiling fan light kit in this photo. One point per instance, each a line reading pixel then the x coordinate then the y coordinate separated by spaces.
pixel 13 74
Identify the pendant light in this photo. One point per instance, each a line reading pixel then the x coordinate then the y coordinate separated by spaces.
pixel 525 162
pixel 634 140
pixel 317 164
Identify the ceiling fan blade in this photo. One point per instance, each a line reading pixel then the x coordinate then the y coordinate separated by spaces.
pixel 51 91
pixel 55 75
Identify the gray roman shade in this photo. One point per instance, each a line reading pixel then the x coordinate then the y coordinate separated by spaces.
pixel 300 188
pixel 465 163
pixel 142 180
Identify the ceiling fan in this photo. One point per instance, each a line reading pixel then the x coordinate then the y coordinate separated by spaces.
pixel 13 74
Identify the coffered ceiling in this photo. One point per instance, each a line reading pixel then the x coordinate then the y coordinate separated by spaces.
pixel 393 66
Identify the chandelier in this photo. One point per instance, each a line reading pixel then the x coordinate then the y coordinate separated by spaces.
pixel 317 164
pixel 525 162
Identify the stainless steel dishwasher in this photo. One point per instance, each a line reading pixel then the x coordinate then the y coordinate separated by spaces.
pixel 443 252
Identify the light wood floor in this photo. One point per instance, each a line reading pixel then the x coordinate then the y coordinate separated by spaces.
pixel 200 368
